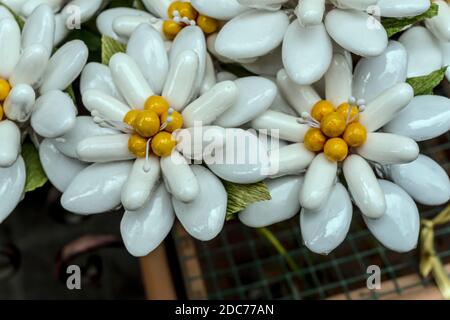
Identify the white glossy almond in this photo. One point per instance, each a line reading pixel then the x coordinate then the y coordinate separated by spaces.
pixel 281 125
pixel 104 106
pixel 13 182
pixel 105 148
pixel 10 34
pixel 402 8
pixel 10 143
pixel 310 12
pixel 440 24
pixel 219 9
pixel 31 66
pixel 291 159
pixel 338 80
pixel 19 104
pixel 98 76
pixel 39 28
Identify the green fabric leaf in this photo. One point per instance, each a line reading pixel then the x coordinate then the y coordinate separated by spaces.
pixel 394 25
pixel 18 18
pixel 242 195
pixel 425 85
pixel 36 177
pixel 109 48
pixel 138 5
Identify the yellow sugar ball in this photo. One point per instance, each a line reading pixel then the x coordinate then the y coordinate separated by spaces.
pixel 157 104
pixel 355 135
pixel 207 24
pixel 333 125
pixel 171 29
pixel 343 110
pixel 130 117
pixel 137 145
pixel 175 123
pixel 336 149
pixel 185 9
pixel 147 123
pixel 314 140
pixel 1 113
pixel 321 109
pixel 5 89
pixel 163 144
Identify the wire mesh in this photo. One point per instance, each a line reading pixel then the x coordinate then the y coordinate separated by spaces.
pixel 241 264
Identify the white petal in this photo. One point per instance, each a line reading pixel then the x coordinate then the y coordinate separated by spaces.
pixel 209 79
pixel 208 107
pixel 98 76
pixel 31 66
pixel 39 28
pixel 14 5
pixel 386 106
pixel 374 75
pixel 272 5
pixel 54 114
pixel 129 80
pixel 30 5
pixel 10 35
pixel 426 117
pixel 310 12
pixel 219 9
pixel 191 38
pixel 398 229
pixel 65 66
pixel 181 80
pixel 124 26
pixel 211 46
pixel 354 4
pixel 267 65
pixel 252 34
pixel 144 230
pixel 143 178
pixel 84 128
pixel 20 103
pixel 368 37
pixel 387 148
pixel 86 8
pixel 199 142
pixel 440 24
pixel 97 188
pixel 445 48
pixel 10 143
pixel 157 7
pixel 364 187
pixel 325 229
pixel 283 125
pixel 424 180
pixel 279 104
pixel 291 159
pixel 107 107
pixel 256 95
pixel 178 175
pixel 225 76
pixel 204 217
pixel 402 8
pixel 283 205
pixel 243 160
pixel 338 80
pixel 419 43
pixel 105 148
pixel 59 169
pixel 106 18
pixel 307 52
pixel 147 49
pixel 319 181
pixel 301 98
pixel 11 189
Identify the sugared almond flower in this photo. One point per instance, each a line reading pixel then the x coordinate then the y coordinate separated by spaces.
pixel 131 151
pixel 367 142
pixel 67 13
pixel 31 84
pixel 168 17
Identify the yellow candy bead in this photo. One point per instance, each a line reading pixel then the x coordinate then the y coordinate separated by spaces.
pixel 130 117
pixel 137 145
pixel 343 110
pixel 207 24
pixel 147 123
pixel 163 144
pixel 175 123
pixel 171 29
pixel 314 140
pixel 333 125
pixel 5 89
pixel 1 113
pixel 157 104
pixel 321 109
pixel 336 149
pixel 185 9
pixel 355 135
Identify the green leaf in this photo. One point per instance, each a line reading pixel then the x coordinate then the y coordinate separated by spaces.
pixel 394 25
pixel 71 93
pixel 242 195
pixel 36 177
pixel 109 48
pixel 18 18
pixel 138 5
pixel 425 85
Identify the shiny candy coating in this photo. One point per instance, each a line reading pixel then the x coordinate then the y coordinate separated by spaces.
pixel 315 140
pixel 5 89
pixel 175 123
pixel 333 124
pixel 322 109
pixel 343 110
pixel 130 117
pixel 147 123
pixel 157 104
pixel 336 149
pixel 355 135
pixel 137 145
pixel 163 144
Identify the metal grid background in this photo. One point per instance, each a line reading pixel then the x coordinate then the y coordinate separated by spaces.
pixel 242 264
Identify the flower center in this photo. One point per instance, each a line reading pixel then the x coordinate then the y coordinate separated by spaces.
pixel 5 89
pixel 334 130
pixel 182 14
pixel 153 128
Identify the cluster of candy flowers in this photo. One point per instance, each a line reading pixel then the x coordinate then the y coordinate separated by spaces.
pixel 5 89
pixel 182 14
pixel 153 127
pixel 334 130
